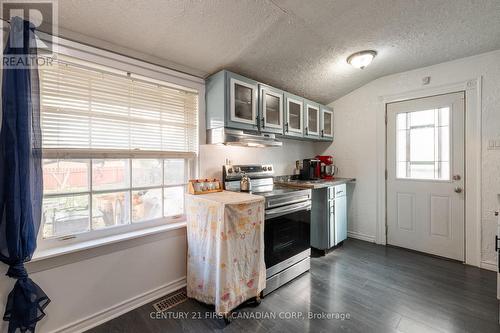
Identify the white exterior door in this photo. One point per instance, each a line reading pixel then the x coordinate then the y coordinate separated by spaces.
pixel 425 175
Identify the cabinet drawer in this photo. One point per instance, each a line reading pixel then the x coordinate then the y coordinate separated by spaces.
pixel 336 191
pixel 340 190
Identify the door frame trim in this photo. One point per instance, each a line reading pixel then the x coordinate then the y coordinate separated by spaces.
pixel 473 144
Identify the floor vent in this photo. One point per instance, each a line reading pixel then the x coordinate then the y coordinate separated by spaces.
pixel 171 300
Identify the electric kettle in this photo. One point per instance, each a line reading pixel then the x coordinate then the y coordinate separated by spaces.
pixel 245 185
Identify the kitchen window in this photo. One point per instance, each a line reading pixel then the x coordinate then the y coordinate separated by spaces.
pixel 118 149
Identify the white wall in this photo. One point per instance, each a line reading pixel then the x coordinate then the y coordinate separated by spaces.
pixel 355 147
pixel 212 157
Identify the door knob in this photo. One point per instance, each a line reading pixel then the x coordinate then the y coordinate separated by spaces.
pixel 458 189
pixel 456 177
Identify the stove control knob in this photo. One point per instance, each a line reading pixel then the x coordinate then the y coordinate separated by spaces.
pixel 264 168
pixel 236 169
pixel 230 170
pixel 270 168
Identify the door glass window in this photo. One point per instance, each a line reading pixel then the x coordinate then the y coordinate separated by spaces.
pixel 273 109
pixel 243 100
pixel 294 118
pixel 312 120
pixel 327 126
pixel 423 144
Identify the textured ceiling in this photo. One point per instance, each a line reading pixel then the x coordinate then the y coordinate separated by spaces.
pixel 298 45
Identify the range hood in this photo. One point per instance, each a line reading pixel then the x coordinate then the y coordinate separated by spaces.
pixel 232 137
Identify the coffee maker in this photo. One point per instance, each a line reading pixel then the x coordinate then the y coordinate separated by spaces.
pixel 328 170
pixel 311 169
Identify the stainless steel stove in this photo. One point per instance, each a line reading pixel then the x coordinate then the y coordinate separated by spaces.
pixel 287 222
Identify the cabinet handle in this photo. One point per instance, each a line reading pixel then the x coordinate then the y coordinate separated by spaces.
pixel 286 127
pixel 322 133
pixel 307 130
pixel 496 243
pixel 263 122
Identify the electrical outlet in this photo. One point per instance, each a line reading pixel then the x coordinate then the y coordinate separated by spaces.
pixel 494 144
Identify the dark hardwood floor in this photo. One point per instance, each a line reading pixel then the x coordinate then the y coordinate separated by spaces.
pixel 381 289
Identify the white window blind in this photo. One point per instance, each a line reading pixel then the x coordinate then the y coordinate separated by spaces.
pixel 91 109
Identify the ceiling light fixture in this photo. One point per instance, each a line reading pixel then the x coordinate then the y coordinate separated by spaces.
pixel 361 59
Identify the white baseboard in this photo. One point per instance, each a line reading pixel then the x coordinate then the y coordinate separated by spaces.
pixel 360 236
pixel 121 308
pixel 491 266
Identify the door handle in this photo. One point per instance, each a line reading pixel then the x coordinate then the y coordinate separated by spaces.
pixel 458 189
pixel 263 122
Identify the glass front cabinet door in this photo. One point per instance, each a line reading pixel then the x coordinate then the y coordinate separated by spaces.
pixel 270 109
pixel 326 126
pixel 242 102
pixel 294 115
pixel 311 120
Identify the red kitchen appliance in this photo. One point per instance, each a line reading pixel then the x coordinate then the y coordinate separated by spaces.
pixel 327 168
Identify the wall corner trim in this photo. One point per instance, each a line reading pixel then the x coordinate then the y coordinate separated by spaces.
pixel 117 310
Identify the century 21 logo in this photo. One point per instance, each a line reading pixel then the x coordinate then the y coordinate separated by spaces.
pixel 41 14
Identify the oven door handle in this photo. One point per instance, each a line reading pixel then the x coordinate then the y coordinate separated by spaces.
pixel 276 202
pixel 280 211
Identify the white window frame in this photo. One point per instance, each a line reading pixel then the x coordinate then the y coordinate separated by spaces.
pixel 301 116
pixel 266 91
pixel 233 83
pixel 450 149
pixel 309 132
pixel 59 245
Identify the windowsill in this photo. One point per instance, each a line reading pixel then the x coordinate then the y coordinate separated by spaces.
pixel 90 244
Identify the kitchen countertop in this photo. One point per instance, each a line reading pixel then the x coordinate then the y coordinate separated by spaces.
pixel 228 197
pixel 315 184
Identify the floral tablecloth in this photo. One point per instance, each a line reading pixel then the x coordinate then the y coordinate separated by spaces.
pixel 225 264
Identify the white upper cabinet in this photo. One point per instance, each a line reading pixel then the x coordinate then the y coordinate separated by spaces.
pixel 326 123
pixel 294 114
pixel 271 109
pixel 237 102
pixel 243 94
pixel 311 120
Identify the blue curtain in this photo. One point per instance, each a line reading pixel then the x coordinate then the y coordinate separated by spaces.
pixel 21 185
